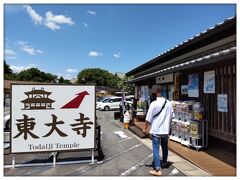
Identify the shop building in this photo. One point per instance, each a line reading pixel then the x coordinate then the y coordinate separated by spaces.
pixel 201 69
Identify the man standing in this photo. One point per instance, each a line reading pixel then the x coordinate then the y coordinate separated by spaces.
pixel 159 116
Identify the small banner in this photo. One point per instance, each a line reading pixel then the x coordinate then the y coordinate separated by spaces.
pixel 222 103
pixel 209 82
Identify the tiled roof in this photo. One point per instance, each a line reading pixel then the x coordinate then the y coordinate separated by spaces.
pixel 7 83
pixel 186 64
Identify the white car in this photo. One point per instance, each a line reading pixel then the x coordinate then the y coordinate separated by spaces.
pixel 6 121
pixel 101 99
pixel 109 103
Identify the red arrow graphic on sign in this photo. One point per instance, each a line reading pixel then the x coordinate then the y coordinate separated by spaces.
pixel 76 102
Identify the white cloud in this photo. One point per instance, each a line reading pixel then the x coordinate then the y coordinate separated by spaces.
pixel 17 69
pixel 85 24
pixel 37 19
pixel 68 76
pixel 91 12
pixel 51 21
pixel 58 19
pixel 9 52
pixel 39 51
pixel 71 70
pixel 59 75
pixel 29 50
pixel 51 25
pixel 95 53
pixel 117 55
pixel 22 43
pixel 24 46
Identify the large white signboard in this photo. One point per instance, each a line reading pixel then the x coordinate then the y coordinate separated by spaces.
pixel 52 118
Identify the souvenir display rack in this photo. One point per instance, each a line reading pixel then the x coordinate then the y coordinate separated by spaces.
pixel 188 126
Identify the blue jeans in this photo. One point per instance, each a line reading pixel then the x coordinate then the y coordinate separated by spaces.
pixel 156 156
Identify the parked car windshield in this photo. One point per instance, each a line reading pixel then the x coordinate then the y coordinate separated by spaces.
pixel 106 100
pixel 101 98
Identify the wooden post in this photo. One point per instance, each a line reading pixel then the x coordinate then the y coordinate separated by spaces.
pixel 177 86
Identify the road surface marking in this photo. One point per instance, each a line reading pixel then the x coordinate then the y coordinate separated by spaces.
pixel 135 167
pixel 109 158
pixel 120 134
pixel 174 172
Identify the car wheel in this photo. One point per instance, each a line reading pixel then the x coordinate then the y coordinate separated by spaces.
pixel 106 108
pixel 8 125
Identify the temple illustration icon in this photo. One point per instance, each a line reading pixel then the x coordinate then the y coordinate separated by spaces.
pixel 37 99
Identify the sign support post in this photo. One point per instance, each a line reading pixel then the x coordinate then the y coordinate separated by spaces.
pixel 13 160
pixel 92 157
pixel 54 158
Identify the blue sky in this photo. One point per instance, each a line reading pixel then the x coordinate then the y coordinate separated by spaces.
pixel 65 39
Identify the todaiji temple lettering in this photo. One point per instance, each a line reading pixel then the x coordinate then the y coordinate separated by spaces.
pixel 26 125
pixel 82 125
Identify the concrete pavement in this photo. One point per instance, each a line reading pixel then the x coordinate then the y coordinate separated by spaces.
pixel 181 164
pixel 125 155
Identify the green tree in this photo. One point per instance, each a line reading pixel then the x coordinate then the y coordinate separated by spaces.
pixel 34 74
pixel 10 76
pixel 99 77
pixel 8 73
pixel 61 80
pixel 7 69
pixel 127 87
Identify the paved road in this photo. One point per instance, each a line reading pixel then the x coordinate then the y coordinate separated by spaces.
pixel 124 154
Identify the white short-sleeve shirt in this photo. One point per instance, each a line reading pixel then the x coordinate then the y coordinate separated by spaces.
pixel 161 123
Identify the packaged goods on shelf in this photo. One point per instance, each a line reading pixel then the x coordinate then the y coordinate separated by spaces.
pixel 179 107
pixel 141 108
pixel 175 130
pixel 188 127
pixel 185 132
pixel 187 106
pixel 197 111
pixel 178 110
pixel 199 137
pixel 187 110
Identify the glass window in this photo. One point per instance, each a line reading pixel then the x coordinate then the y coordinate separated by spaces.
pixel 117 100
pixel 106 101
